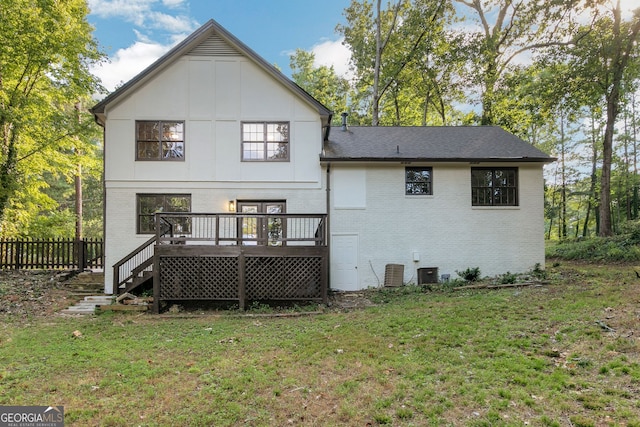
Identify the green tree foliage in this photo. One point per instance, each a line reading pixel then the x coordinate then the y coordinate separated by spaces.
pixel 556 73
pixel 46 48
pixel 507 29
pixel 603 60
pixel 388 46
pixel 321 82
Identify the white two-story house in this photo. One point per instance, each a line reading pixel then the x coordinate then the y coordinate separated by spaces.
pixel 212 156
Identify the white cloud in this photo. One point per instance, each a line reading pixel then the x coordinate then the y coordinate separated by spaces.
pixel 141 37
pixel 333 53
pixel 173 3
pixel 174 24
pixel 127 63
pixel 151 21
pixel 131 10
pixel 144 13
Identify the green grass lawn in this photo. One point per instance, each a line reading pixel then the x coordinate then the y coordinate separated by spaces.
pixel 536 355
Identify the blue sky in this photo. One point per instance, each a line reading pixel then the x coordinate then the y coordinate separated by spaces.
pixel 134 33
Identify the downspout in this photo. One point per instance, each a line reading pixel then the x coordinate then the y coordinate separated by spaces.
pixel 328 226
pixel 328 205
pixel 104 196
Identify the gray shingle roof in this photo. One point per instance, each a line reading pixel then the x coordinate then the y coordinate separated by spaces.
pixel 432 143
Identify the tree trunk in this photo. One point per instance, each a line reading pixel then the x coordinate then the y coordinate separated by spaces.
pixel 7 168
pixel 627 177
pixel 563 193
pixel 594 179
pixel 487 97
pixel 375 113
pixel 634 211
pixel 425 110
pixel 551 214
pixel 622 50
pixel 607 155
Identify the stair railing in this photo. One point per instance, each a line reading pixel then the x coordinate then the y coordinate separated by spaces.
pixel 140 258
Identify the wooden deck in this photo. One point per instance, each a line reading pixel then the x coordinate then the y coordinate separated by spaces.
pixel 231 257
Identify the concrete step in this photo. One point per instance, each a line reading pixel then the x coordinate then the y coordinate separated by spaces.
pixel 88 304
pixel 102 299
pixel 86 280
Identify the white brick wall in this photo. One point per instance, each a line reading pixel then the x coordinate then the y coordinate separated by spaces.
pixel 444 229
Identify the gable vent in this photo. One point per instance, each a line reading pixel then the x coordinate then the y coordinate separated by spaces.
pixel 214 45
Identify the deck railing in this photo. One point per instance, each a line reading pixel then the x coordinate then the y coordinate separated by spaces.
pixel 241 256
pixel 140 259
pixel 222 229
pixel 244 229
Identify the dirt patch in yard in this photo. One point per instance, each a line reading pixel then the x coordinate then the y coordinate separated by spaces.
pixel 27 294
pixel 349 301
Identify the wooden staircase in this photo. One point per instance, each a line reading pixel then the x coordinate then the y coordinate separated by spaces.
pixel 141 275
pixel 136 283
pixel 134 270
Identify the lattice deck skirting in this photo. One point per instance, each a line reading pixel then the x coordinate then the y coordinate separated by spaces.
pixel 239 273
pixel 198 278
pixel 284 278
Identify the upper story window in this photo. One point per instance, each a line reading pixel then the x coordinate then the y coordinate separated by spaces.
pixel 494 186
pixel 418 181
pixel 265 141
pixel 159 140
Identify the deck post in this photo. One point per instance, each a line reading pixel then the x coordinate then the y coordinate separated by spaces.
pixel 324 277
pixel 242 283
pixel 18 258
pixel 156 281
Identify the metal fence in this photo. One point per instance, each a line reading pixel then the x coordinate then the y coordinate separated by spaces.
pixel 24 254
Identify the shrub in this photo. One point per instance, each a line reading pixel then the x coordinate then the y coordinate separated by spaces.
pixel 538 272
pixel 622 247
pixel 470 274
pixel 508 278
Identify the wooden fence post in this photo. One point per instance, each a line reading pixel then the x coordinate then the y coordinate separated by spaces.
pixel 80 260
pixel 18 255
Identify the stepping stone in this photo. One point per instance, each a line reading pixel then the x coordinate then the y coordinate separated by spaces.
pixel 89 304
